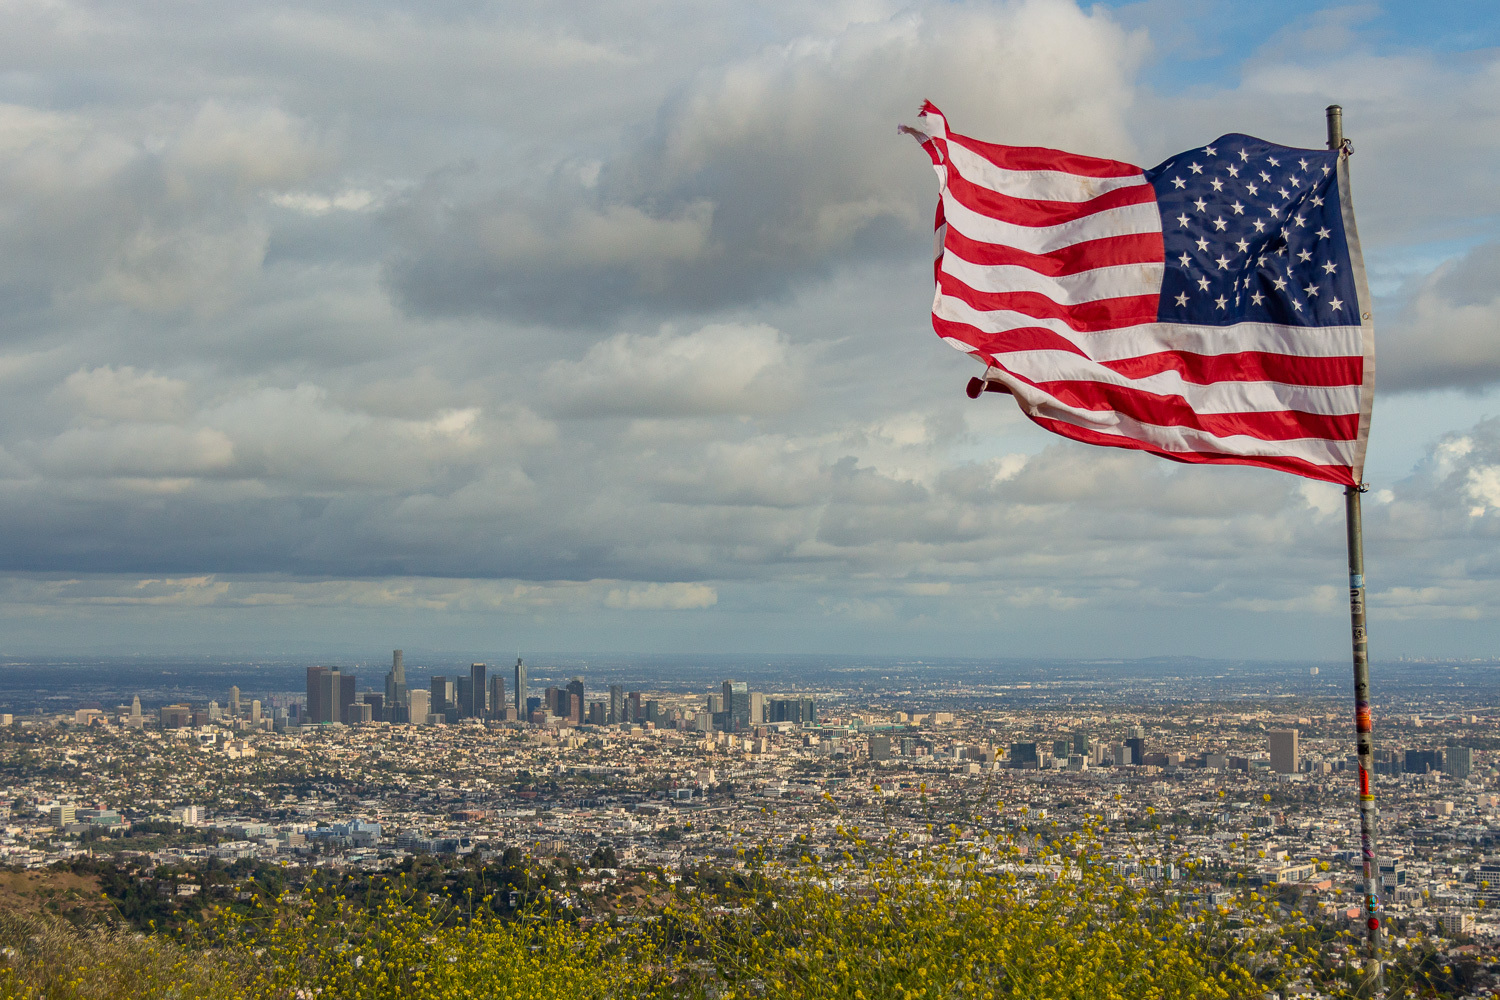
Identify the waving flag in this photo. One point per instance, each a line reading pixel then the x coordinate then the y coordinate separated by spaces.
pixel 1211 309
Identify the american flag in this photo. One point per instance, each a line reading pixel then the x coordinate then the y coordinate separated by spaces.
pixel 1211 309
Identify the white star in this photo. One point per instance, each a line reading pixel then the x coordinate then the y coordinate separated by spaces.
pixel 1304 256
pixel 1244 245
pixel 1285 234
pixel 1280 284
pixel 1195 168
pixel 1178 182
pixel 1234 171
pixel 1260 227
pixel 1203 283
pixel 1335 304
pixel 1217 184
pixel 1220 224
pixel 1273 161
pixel 1244 156
pixel 1182 220
pixel 1302 164
pixel 1221 302
pixel 1325 170
pixel 1261 260
pixel 1299 220
pixel 1296 305
pixel 1283 192
pixel 1238 208
pixel 1201 205
pixel 1184 260
pixel 1330 267
pixel 1275 212
pixel 1202 244
pixel 1257 298
pixel 1182 299
pixel 1223 263
pixel 1265 177
pixel 1317 202
pixel 1210 151
pixel 1252 189
pixel 1323 234
pixel 1311 290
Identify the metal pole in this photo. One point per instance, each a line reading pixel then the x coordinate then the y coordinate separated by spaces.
pixel 1363 736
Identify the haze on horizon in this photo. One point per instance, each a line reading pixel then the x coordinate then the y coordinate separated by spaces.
pixel 605 326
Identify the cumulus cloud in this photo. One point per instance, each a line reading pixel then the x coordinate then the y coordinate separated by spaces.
pixel 767 172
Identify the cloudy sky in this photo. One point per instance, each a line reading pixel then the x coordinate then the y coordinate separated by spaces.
pixel 604 326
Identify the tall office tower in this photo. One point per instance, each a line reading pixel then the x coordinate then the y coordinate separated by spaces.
pixel 1458 762
pixel 574 707
pixel 632 707
pixel 417 707
pixel 1423 761
pixel 395 688
pixel 442 696
pixel 376 701
pixel 714 704
pixel 1081 743
pixel 481 707
pixel 497 697
pixel 1283 746
pixel 521 692
pixel 616 704
pixel 597 713
pixel 809 713
pixel 234 702
pixel 1024 755
pixel 1062 748
pixel 1136 746
pixel 135 707
pixel 317 684
pixel 757 708
pixel 346 697
pixel 255 711
pixel 1136 733
pixel 575 688
pixel 464 687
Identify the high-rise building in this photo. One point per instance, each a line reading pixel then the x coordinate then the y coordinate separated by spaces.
pixel 1422 761
pixel 234 702
pixel 346 697
pixel 135 707
pixel 597 713
pixel 575 689
pixel 477 684
pixel 632 707
pixel 317 678
pixel 1135 748
pixel 1024 755
pixel 1283 746
pixel 417 706
pixel 521 692
pixel 255 710
pixel 1458 762
pixel 736 705
pixel 395 687
pixel 497 697
pixel 616 704
pixel 443 696
pixel 880 747
pixel 376 701
pixel 1062 748
pixel 757 708
pixel 463 686
pixel 1081 743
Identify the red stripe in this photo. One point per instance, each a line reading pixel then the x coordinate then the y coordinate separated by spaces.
pixel 1100 314
pixel 1341 474
pixel 1040 158
pixel 1174 411
pixel 1246 366
pixel 1032 212
pixel 1136 248
pixel 1025 338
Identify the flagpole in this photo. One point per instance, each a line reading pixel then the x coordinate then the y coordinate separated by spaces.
pixel 1363 735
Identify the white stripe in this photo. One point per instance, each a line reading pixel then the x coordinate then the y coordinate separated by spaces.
pixel 1123 221
pixel 1112 282
pixel 1215 397
pixel 1154 338
pixel 1185 440
pixel 1043 185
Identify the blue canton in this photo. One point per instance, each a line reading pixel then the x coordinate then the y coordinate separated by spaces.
pixel 1253 232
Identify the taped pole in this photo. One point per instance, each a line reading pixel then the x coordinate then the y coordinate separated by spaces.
pixel 1363 735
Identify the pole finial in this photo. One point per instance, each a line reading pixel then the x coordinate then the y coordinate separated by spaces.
pixel 1335 115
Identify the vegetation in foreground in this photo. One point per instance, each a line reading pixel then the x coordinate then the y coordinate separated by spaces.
pixel 988 918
